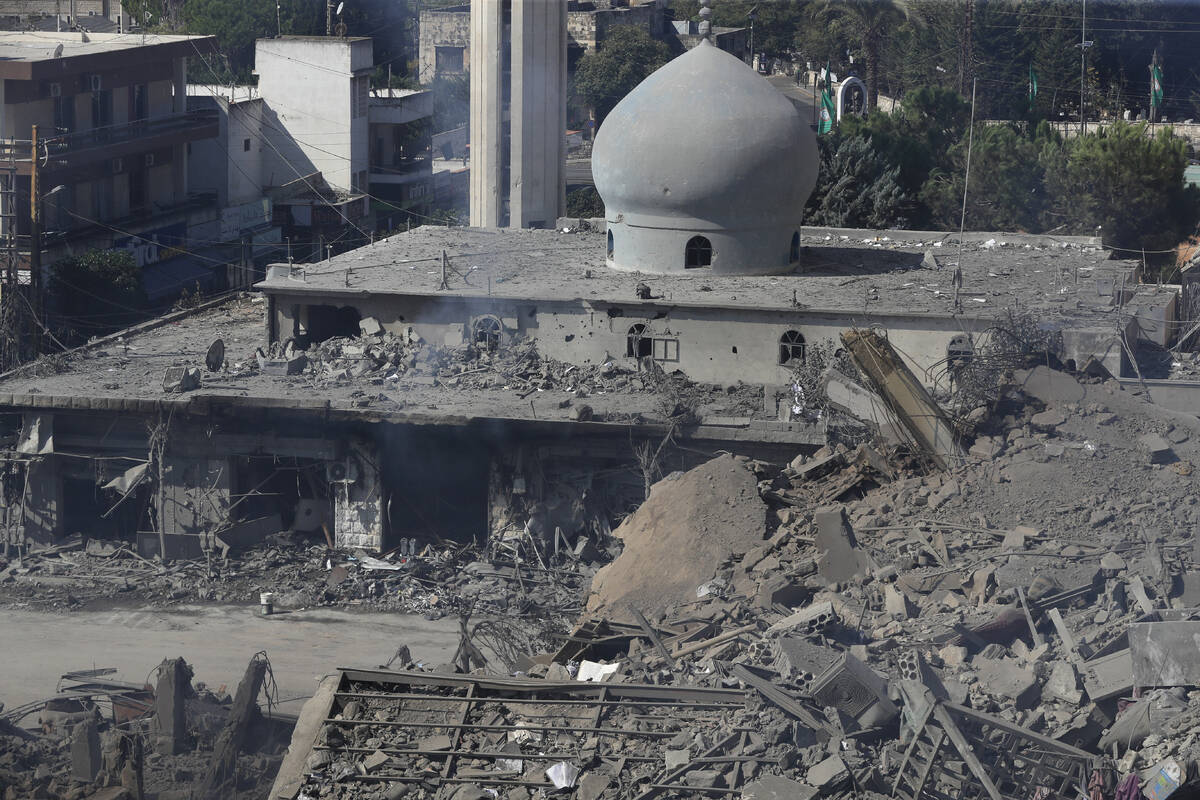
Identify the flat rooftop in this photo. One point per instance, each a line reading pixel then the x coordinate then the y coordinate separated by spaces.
pixel 124 373
pixel 839 272
pixel 34 55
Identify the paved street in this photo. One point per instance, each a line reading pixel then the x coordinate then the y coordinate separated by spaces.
pixel 216 640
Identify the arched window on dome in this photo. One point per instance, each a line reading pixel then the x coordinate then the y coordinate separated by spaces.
pixel 638 342
pixel 793 253
pixel 698 253
pixel 791 347
pixel 610 244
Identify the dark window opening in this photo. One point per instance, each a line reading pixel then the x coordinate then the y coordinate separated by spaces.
pixel 137 190
pixel 448 59
pixel 102 105
pixel 638 343
pixel 64 114
pixel 959 351
pixel 698 253
pixel 245 145
pixel 485 334
pixel 791 347
pixel 610 244
pixel 1070 365
pixel 326 322
pixel 139 102
pixel 794 252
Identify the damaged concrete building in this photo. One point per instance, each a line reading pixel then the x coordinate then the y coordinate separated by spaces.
pixel 421 386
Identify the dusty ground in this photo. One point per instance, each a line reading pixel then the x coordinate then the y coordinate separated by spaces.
pixel 217 640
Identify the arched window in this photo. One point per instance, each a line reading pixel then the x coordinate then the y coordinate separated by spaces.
pixel 794 252
pixel 959 351
pixel 485 333
pixel 698 253
pixel 610 244
pixel 791 347
pixel 638 344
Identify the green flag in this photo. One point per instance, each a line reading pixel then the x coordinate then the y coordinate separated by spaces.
pixel 1032 86
pixel 1156 92
pixel 825 125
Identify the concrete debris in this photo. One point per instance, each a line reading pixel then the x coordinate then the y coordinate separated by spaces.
pixel 835 623
pixel 106 752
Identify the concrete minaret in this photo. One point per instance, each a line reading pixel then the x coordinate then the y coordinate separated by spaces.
pixel 521 185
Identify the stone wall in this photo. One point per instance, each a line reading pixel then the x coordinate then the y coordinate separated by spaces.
pixel 446 27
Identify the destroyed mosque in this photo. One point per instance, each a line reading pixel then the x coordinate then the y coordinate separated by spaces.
pixel 725 506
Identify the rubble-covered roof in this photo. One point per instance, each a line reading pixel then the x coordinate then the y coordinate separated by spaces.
pixel 362 377
pixel 839 273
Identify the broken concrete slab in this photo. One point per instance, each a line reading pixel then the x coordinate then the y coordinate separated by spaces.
pixel 827 773
pixel 86 758
pixel 774 787
pixel 1062 684
pixel 1109 676
pixel 1007 679
pixel 1158 450
pixel 181 379
pixel 840 559
pixel 1165 653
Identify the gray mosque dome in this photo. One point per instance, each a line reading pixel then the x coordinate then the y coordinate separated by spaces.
pixel 704 164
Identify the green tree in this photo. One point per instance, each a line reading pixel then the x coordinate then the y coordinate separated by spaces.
pixel 870 22
pixel 1006 191
pixel 585 203
pixel 97 292
pixel 627 57
pixel 856 187
pixel 1129 184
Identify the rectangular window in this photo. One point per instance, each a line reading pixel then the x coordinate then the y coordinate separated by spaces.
pixel 448 60
pixel 137 189
pixel 245 145
pixel 139 102
pixel 102 108
pixel 666 349
pixel 64 114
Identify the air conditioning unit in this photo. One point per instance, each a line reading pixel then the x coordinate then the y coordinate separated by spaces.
pixel 344 471
pixel 149 159
pixel 56 90
pixel 118 165
pixel 96 83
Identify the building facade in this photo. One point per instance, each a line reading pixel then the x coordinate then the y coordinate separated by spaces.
pixel 112 127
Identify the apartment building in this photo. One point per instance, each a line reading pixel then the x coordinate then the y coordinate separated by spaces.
pixel 107 117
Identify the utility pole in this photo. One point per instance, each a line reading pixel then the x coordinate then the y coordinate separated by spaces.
pixel 1082 68
pixel 329 17
pixel 35 245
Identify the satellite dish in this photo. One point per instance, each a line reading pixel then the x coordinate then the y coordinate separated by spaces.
pixel 214 359
pixel 58 50
pixel 339 8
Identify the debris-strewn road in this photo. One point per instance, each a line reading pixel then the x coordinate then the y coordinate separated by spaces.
pixel 216 640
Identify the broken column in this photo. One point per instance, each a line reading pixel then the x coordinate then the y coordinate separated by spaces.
pixel 85 750
pixel 170 707
pixel 223 768
pixel 358 498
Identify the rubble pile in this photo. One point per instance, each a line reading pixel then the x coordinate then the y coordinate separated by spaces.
pixel 441 580
pixel 106 739
pixel 1008 627
pixel 380 357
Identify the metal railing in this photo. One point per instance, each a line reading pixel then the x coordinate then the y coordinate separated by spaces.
pixel 131 131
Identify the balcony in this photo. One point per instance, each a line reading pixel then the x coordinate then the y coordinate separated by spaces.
pixel 402 170
pixel 75 150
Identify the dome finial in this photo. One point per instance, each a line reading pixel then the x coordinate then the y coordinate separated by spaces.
pixel 705 13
